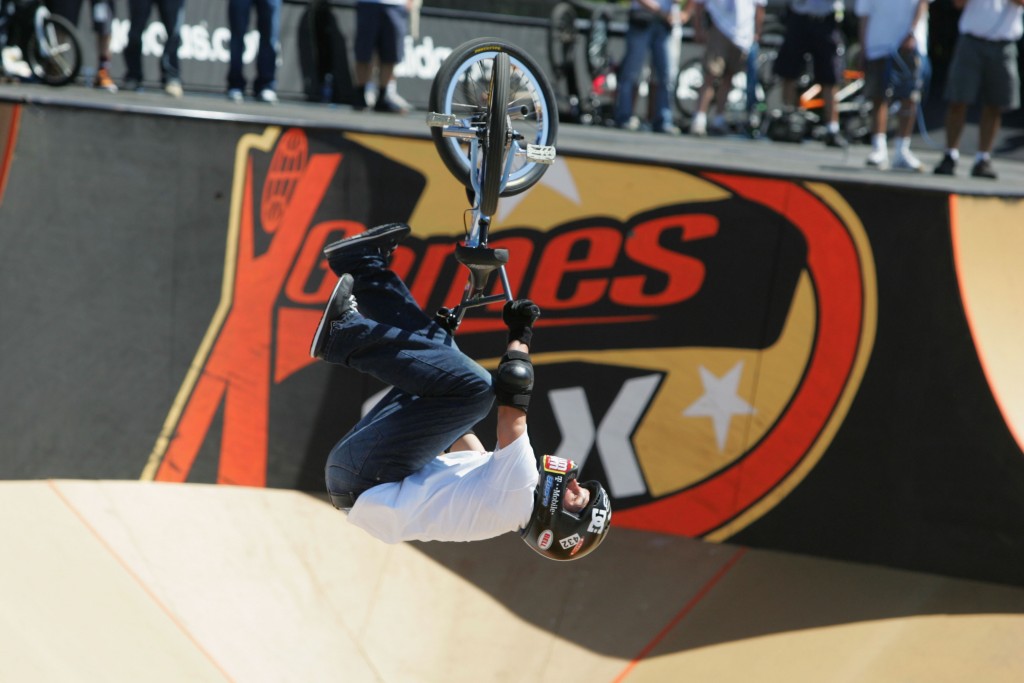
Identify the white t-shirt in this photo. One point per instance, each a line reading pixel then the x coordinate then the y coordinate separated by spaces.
pixel 462 496
pixel 993 20
pixel 889 22
pixel 735 19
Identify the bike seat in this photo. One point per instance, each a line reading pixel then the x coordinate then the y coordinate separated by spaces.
pixel 480 256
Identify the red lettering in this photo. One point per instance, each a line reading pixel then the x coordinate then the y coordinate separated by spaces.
pixel 685 274
pixel 311 259
pixel 601 246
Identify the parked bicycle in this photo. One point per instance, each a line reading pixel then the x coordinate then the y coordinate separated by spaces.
pixel 494 121
pixel 47 42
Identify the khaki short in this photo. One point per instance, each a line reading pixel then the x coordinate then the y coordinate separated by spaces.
pixel 721 55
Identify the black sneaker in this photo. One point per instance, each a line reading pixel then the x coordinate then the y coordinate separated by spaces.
pixel 947 166
pixel 359 98
pixel 340 303
pixel 382 238
pixel 835 140
pixel 983 169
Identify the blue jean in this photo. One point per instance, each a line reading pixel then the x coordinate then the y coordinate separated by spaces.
pixel 268 23
pixel 172 15
pixel 652 37
pixel 438 392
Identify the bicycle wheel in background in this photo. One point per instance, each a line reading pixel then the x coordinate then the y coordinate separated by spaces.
pixel 461 88
pixel 496 142
pixel 562 37
pixel 58 58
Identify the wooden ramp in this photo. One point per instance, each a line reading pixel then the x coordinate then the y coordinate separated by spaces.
pixel 130 581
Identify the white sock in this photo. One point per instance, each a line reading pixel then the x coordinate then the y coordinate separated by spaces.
pixel 953 153
pixel 833 127
pixel 700 119
pixel 879 142
pixel 902 145
pixel 982 156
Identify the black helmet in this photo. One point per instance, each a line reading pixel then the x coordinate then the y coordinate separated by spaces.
pixel 556 533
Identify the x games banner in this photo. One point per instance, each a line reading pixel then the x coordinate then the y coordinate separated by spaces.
pixel 701 339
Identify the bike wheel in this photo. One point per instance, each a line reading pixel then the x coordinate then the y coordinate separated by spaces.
pixel 688 83
pixel 462 89
pixel 57 59
pixel 496 138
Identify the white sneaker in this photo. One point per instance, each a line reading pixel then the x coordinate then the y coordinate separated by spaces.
pixel 699 126
pixel 173 88
pixel 878 158
pixel 906 161
pixel 236 95
pixel 268 96
pixel 14 63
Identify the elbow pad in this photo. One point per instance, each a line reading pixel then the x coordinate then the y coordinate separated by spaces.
pixel 513 380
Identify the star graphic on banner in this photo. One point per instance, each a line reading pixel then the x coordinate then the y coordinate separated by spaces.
pixel 557 178
pixel 720 401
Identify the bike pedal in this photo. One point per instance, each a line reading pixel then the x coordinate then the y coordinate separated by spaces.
pixel 540 154
pixel 435 120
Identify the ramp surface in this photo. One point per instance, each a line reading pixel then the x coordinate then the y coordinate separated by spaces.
pixel 127 581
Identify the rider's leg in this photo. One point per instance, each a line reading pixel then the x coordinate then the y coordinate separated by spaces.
pixel 381 295
pixel 438 395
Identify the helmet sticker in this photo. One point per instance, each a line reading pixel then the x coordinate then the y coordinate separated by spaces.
pixel 570 541
pixel 546 538
pixel 549 483
pixel 598 519
pixel 557 465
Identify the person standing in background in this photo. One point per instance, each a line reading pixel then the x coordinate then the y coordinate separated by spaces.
pixel 172 14
pixel 735 25
pixel 984 69
pixel 812 28
pixel 893 37
pixel 650 30
pixel 268 23
pixel 102 20
pixel 381 26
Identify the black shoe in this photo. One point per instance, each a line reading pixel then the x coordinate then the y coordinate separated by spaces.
pixel 983 169
pixel 835 140
pixel 340 303
pixel 946 167
pixel 381 238
pixel 359 98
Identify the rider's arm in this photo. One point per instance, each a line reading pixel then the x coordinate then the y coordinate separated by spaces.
pixel 511 420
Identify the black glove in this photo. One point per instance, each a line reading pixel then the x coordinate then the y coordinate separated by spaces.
pixel 513 380
pixel 519 316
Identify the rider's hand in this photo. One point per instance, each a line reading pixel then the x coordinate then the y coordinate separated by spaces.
pixel 519 316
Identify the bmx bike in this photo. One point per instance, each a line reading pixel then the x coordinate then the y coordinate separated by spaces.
pixel 494 120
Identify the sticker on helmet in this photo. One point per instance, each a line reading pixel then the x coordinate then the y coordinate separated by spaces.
pixel 554 464
pixel 546 538
pixel 570 541
pixel 549 483
pixel 598 519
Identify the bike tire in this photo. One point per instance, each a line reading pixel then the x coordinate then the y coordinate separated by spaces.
pixel 495 145
pixel 561 37
pixel 459 89
pixel 64 61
